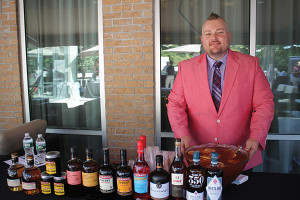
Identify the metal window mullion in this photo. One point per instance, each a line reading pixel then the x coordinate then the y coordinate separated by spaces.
pixel 252 27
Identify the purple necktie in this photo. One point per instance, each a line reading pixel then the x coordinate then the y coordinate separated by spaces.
pixel 216 87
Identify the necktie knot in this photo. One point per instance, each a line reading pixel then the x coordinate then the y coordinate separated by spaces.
pixel 217 64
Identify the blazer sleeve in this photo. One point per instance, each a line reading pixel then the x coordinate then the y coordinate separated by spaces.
pixel 263 107
pixel 177 107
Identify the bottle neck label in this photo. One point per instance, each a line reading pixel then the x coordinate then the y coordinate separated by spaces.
pixel 214 188
pixel 140 183
pixel 158 190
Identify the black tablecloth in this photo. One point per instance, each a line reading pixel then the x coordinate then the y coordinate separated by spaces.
pixel 260 186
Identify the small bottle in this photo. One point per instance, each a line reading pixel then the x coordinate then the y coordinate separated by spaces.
pixel 178 173
pixel 90 176
pixel 195 179
pixel 31 177
pixel 74 170
pixel 214 179
pixel 40 146
pixel 46 183
pixel 159 181
pixel 14 174
pixel 107 180
pixel 124 176
pixel 53 163
pixel 28 145
pixel 61 185
pixel 141 174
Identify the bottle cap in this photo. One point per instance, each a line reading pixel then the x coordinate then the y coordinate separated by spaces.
pixel 29 157
pixel 177 142
pixel 14 155
pixel 196 156
pixel 214 157
pixel 52 154
pixel 123 152
pixel 140 145
pixel 26 134
pixel 159 159
pixel 105 150
pixel 143 138
pixel 74 149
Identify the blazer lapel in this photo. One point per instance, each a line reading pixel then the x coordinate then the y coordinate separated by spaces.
pixel 230 75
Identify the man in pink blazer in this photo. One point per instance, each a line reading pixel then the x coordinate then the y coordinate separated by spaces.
pixel 246 109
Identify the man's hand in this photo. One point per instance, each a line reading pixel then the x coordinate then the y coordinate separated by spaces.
pixel 185 143
pixel 251 147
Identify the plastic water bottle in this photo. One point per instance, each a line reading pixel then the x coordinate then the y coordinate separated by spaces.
pixel 40 145
pixel 28 145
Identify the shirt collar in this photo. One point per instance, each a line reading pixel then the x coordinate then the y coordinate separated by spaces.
pixel 210 61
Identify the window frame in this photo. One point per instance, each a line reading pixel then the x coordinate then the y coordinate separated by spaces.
pixel 24 81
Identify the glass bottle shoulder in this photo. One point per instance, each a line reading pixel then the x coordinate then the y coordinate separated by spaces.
pixel 90 166
pixel 74 165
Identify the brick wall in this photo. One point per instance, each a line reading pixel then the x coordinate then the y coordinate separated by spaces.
pixel 129 73
pixel 10 86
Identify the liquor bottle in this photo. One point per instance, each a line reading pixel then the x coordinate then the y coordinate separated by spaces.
pixel 31 177
pixel 178 173
pixel 141 174
pixel 159 181
pixel 90 176
pixel 195 179
pixel 107 180
pixel 124 176
pixel 14 174
pixel 74 170
pixel 214 179
pixel 40 146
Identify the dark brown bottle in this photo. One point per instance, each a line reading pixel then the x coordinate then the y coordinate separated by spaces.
pixel 124 177
pixel 31 177
pixel 107 178
pixel 14 174
pixel 90 176
pixel 74 171
pixel 178 174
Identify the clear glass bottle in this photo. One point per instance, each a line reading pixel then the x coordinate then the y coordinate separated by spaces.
pixel 195 179
pixel 90 176
pixel 40 146
pixel 14 174
pixel 141 174
pixel 124 176
pixel 178 174
pixel 107 179
pixel 31 177
pixel 214 179
pixel 28 145
pixel 159 181
pixel 74 170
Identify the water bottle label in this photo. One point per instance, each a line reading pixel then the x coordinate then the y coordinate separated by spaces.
pixel 140 183
pixel 41 147
pixel 27 145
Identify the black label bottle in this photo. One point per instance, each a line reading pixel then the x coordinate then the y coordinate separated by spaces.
pixel 178 174
pixel 214 179
pixel 90 176
pixel 74 171
pixel 195 179
pixel 159 181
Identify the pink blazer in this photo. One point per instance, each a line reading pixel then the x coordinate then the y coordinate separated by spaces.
pixel 246 109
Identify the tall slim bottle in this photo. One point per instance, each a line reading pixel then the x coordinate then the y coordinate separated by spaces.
pixel 214 179
pixel 178 174
pixel 14 174
pixel 124 176
pixel 74 170
pixel 90 176
pixel 141 174
pixel 107 179
pixel 196 179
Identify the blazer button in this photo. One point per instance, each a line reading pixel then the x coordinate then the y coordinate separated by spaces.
pixel 218 120
pixel 216 139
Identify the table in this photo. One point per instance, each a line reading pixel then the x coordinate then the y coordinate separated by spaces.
pixel 260 186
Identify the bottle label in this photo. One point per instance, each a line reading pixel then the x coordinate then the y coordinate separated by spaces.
pixel 196 180
pixel 90 179
pixel 177 189
pixel 46 187
pixel 214 188
pixel 140 183
pixel 40 147
pixel 13 182
pixel 158 190
pixel 59 189
pixel 194 195
pixel 74 177
pixel 124 185
pixel 28 185
pixel 27 145
pixel 50 167
pixel 106 183
pixel 177 179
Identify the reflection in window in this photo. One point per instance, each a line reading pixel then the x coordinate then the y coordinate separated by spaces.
pixel 181 23
pixel 62 62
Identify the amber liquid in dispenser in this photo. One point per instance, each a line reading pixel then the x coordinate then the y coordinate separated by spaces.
pixel 14 174
pixel 31 177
